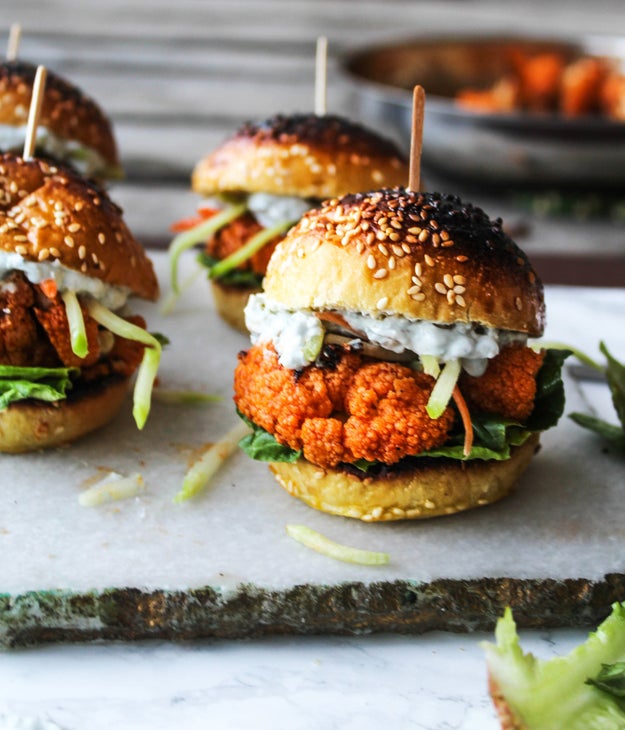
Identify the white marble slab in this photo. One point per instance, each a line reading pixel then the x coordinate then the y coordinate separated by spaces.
pixel 564 521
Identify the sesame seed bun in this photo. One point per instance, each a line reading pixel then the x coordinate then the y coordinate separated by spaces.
pixel 424 256
pixel 66 111
pixel 31 425
pixel 431 489
pixel 304 155
pixel 49 213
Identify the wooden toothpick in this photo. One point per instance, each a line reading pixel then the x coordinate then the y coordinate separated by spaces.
pixel 14 41
pixel 321 76
pixel 34 111
pixel 416 138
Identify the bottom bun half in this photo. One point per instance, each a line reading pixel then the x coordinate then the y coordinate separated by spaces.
pixel 442 487
pixel 230 302
pixel 32 425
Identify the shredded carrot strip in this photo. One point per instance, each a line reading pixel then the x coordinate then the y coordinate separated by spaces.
pixel 466 420
pixel 186 224
pixel 49 288
pixel 333 317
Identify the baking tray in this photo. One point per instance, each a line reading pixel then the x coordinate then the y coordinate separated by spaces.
pixel 222 565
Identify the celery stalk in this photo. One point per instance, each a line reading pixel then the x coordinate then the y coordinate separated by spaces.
pixel 76 322
pixel 556 693
pixel 205 229
pixel 149 364
pixel 251 247
pixel 443 389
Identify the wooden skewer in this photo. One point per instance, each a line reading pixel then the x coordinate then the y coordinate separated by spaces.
pixel 416 138
pixel 321 76
pixel 14 41
pixel 34 112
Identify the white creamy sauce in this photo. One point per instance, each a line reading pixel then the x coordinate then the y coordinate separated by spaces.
pixel 270 210
pixel 112 297
pixel 291 332
pixel 84 159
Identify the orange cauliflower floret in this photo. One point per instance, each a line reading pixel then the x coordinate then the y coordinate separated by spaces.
pixel 351 410
pixel 508 387
pixel 388 420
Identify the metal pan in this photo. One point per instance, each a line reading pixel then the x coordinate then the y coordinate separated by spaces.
pixel 513 148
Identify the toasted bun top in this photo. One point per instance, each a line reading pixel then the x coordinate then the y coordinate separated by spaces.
pixel 305 155
pixel 49 213
pixel 424 256
pixel 65 110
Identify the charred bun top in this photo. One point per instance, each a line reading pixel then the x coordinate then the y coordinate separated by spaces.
pixel 303 154
pixel 426 256
pixel 49 213
pixel 66 110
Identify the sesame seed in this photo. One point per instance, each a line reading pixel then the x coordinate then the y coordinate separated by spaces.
pixel 518 303
pixel 382 249
pixel 406 248
pixel 448 280
pixel 371 262
pixel 394 236
pixel 450 296
pixel 397 250
pixel 396 223
pixel 380 274
pixel 459 279
pixel 462 258
pixel 447 244
pixel 43 254
pixel 418 269
pixel 391 263
pixel 415 230
pixel 416 280
pixel 428 260
pixel 20 237
pixel 424 235
pixel 459 289
pixel 381 236
pixel 440 288
pixel 414 290
pixel 73 227
pixel 382 302
pixel 460 300
pixel 419 297
pixel 82 252
pixel 101 238
pixel 69 241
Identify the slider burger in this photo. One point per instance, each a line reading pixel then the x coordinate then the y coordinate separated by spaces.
pixel 68 346
pixel 261 180
pixel 72 128
pixel 390 375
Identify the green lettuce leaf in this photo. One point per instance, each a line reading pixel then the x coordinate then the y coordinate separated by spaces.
pixel 46 384
pixel 578 691
pixel 493 437
pixel 615 375
pixel 262 446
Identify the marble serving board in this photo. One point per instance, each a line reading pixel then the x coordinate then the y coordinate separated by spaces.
pixel 222 564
